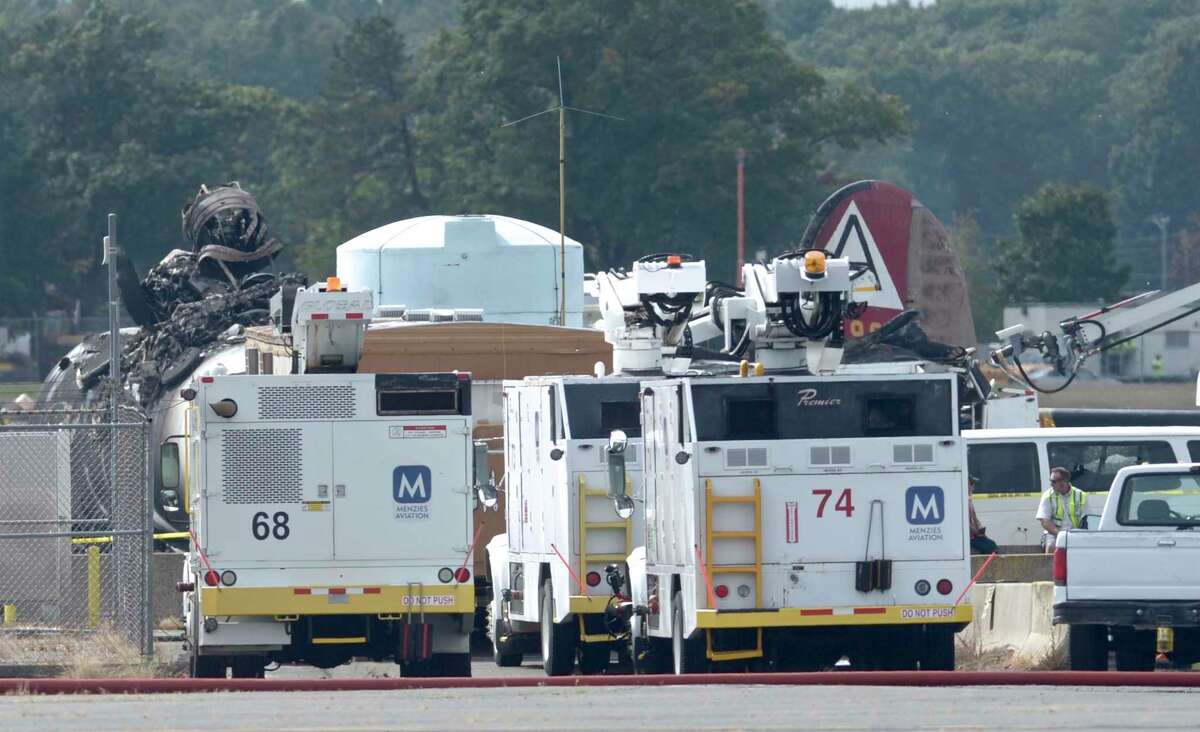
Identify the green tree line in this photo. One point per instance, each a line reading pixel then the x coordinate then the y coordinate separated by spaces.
pixel 1019 122
pixel 343 115
pixel 1009 101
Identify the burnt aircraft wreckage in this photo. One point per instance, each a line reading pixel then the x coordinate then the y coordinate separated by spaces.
pixel 187 307
pixel 191 310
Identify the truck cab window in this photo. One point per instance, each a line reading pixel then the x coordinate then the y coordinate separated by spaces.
pixel 890 416
pixel 750 419
pixel 1164 499
pixel 169 475
pixel 621 416
pixel 1005 467
pixel 593 411
pixel 1094 464
pixel 418 402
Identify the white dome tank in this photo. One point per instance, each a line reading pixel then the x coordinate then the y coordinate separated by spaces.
pixel 507 267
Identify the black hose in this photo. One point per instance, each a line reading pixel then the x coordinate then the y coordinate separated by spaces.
pixel 1040 390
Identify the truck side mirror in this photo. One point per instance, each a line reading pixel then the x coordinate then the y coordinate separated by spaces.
pixel 485 488
pixel 622 504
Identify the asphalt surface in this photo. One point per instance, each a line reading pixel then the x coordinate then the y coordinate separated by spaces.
pixel 659 708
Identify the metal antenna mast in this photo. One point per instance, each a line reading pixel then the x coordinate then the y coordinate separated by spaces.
pixel 562 109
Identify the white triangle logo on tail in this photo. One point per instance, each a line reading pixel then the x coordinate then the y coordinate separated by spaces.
pixel 852 239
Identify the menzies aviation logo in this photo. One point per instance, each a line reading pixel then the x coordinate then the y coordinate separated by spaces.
pixel 411 486
pixel 925 509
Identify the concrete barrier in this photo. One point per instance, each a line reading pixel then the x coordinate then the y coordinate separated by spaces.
pixel 1015 616
pixel 1025 567
pixel 1046 641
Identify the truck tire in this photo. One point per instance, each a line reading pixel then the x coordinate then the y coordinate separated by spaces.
pixel 201 667
pixel 206 667
pixel 505 651
pixel 899 650
pixel 558 639
pixel 652 655
pixel 419 669
pixel 594 658
pixel 1087 647
pixel 938 651
pixel 456 665
pixel 248 667
pixel 688 654
pixel 1135 649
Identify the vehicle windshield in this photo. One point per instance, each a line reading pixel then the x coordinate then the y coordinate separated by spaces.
pixel 1160 499
pixel 595 410
pixel 815 410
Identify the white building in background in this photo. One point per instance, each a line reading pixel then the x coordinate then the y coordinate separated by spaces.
pixel 1178 343
pixel 507 267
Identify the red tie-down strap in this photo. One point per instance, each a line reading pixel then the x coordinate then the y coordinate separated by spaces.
pixel 582 587
pixel 203 557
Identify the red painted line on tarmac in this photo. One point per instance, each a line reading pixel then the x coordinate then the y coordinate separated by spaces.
pixel 823 678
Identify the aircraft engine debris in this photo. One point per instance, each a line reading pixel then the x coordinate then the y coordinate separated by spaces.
pixel 189 304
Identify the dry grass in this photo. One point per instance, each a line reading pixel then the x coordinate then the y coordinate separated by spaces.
pixel 109 656
pixel 1053 660
pixel 1125 396
pixel 970 656
pixel 98 654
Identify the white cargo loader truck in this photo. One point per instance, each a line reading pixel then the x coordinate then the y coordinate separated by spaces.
pixel 794 520
pixel 331 512
pixel 550 591
pixel 565 528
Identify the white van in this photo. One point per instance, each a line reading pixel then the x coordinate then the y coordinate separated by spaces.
pixel 1013 467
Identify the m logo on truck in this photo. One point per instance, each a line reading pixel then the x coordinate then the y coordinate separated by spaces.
pixel 925 508
pixel 924 504
pixel 411 486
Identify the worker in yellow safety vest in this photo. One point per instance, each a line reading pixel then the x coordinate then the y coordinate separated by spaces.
pixel 1063 506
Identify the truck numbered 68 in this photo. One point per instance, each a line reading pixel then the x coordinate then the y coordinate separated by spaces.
pixel 793 520
pixel 332 512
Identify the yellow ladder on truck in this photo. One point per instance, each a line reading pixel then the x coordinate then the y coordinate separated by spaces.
pixel 585 557
pixel 710 535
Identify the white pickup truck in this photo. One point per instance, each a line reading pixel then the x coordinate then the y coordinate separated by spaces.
pixel 1132 581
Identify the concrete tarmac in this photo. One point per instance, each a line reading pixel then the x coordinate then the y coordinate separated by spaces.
pixel 748 707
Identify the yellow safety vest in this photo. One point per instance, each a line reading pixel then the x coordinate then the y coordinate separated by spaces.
pixel 1074 505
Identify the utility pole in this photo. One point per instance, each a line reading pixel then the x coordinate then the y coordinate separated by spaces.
pixel 741 215
pixel 114 324
pixel 562 183
pixel 1162 221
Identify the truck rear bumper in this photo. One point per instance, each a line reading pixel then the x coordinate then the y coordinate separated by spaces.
pixel 816 617
pixel 1138 613
pixel 375 600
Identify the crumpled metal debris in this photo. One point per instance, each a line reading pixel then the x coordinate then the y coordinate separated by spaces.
pixel 190 303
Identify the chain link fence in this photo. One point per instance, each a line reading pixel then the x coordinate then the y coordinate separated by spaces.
pixel 75 525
